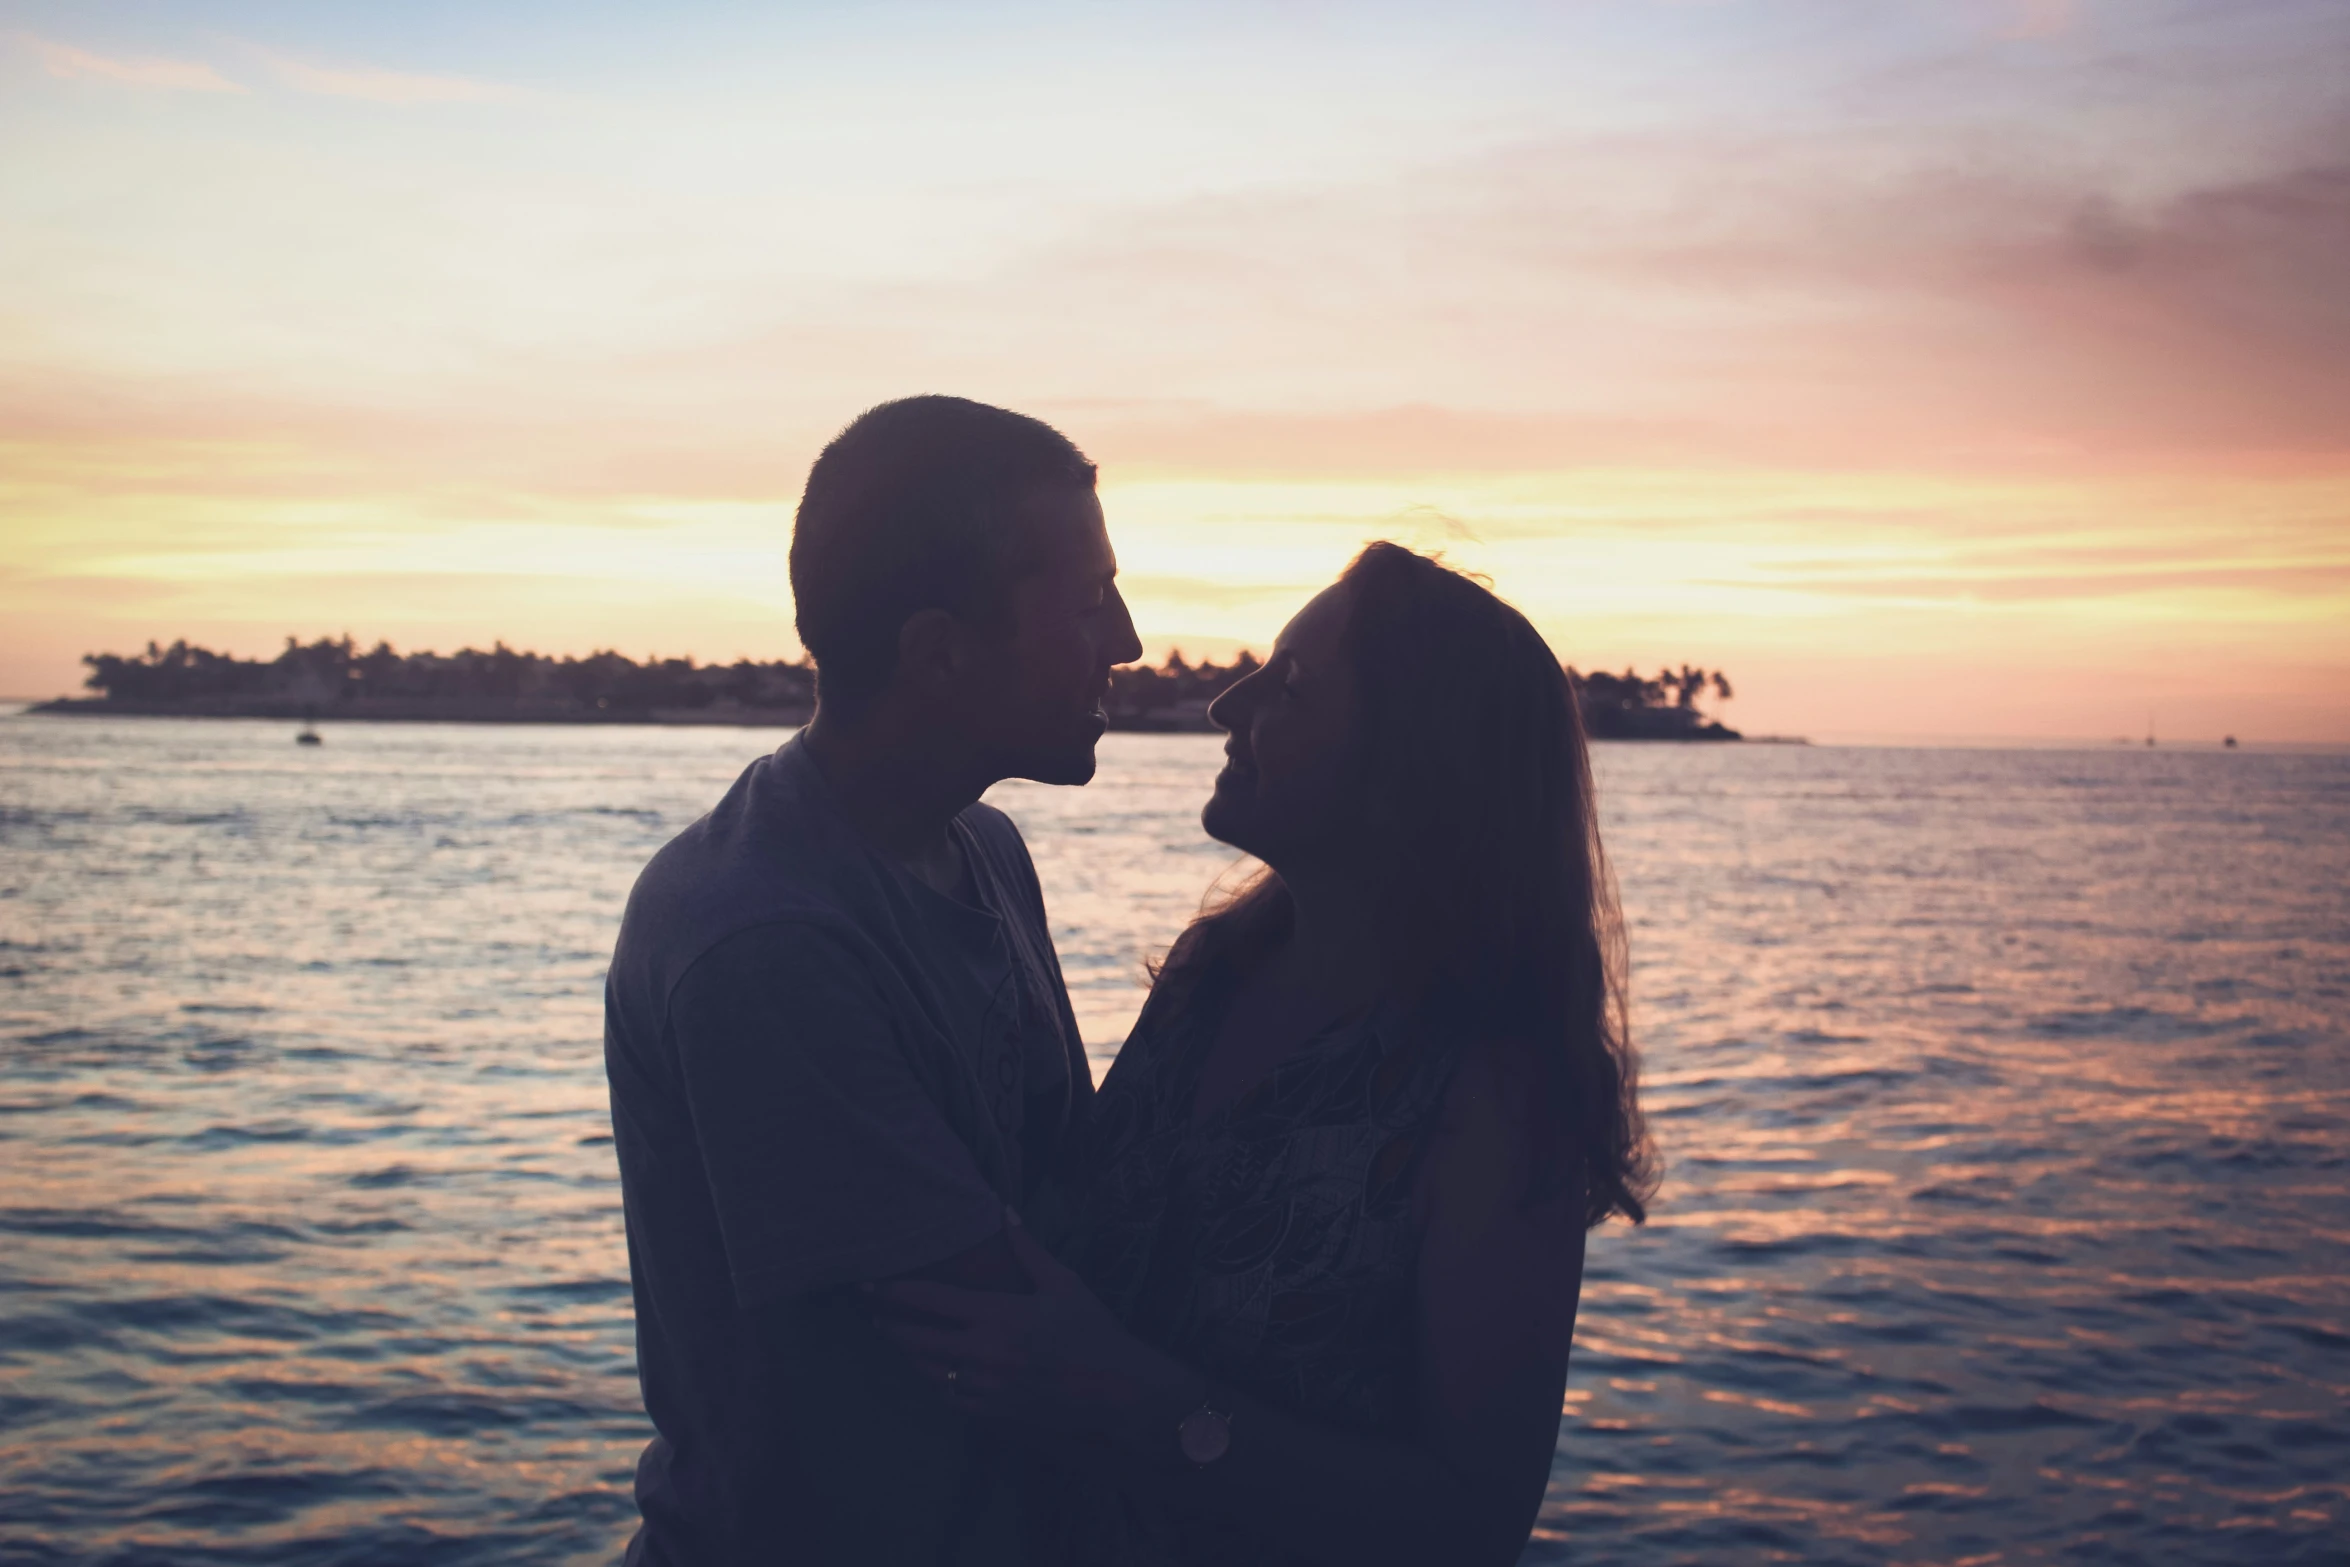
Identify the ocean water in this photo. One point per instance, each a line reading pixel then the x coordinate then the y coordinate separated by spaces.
pixel 2005 1094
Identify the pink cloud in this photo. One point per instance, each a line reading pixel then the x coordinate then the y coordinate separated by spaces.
pixel 2037 18
pixel 1795 299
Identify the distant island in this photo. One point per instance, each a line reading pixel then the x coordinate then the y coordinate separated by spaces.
pixel 332 679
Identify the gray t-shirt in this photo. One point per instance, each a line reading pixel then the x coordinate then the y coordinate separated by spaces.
pixel 823 1072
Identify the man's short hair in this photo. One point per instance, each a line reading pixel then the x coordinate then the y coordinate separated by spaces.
pixel 915 506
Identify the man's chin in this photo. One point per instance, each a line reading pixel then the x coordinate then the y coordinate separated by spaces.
pixel 1063 754
pixel 1074 764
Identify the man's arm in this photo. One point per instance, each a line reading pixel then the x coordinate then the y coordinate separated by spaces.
pixel 989 1265
pixel 827 1159
pixel 826 1163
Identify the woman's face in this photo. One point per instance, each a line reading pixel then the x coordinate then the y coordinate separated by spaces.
pixel 1292 781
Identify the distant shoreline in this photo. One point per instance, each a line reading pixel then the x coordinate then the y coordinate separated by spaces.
pixel 1870 740
pixel 427 712
pixel 332 679
pixel 1182 720
pixel 716 715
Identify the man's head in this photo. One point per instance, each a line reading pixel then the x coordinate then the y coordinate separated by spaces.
pixel 951 567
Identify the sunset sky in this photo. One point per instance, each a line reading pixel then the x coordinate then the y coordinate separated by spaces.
pixel 1947 369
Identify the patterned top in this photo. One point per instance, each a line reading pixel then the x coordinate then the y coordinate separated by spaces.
pixel 1273 1247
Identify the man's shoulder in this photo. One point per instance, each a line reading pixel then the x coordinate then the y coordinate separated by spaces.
pixel 765 855
pixel 996 831
pixel 771 827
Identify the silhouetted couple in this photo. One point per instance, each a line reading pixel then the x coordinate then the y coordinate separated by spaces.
pixel 1297 1283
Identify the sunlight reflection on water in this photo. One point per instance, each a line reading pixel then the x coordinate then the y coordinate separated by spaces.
pixel 2006 1098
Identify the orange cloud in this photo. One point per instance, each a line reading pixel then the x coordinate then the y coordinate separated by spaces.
pixel 71 64
pixel 371 85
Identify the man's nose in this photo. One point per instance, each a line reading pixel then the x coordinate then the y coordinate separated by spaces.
pixel 1127 646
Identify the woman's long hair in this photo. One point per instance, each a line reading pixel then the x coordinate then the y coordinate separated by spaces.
pixel 1497 910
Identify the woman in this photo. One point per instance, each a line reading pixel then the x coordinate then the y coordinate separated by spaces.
pixel 1325 1225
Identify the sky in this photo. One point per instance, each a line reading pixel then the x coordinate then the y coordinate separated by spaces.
pixel 1935 367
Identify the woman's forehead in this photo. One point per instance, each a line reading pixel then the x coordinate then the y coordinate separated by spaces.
pixel 1315 627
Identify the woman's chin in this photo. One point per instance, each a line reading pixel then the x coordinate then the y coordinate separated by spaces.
pixel 1221 816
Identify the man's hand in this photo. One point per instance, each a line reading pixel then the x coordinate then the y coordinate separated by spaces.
pixel 990 1265
pixel 1055 1356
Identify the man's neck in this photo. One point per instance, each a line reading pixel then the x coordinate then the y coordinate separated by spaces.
pixel 899 789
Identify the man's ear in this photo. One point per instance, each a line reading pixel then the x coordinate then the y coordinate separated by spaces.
pixel 930 650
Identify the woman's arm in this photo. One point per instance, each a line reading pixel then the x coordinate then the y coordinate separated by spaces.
pixel 1497 1289
pixel 1500 1277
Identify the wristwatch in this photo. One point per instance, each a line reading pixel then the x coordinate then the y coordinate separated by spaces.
pixel 1205 1434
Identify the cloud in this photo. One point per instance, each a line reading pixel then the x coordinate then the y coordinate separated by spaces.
pixel 2019 296
pixel 2037 18
pixel 72 64
pixel 372 85
pixel 2268 586
pixel 1790 298
pixel 366 83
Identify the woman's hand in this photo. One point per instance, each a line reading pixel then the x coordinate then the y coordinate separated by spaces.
pixel 1056 1357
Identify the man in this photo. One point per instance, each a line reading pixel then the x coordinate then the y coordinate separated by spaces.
pixel 835 1030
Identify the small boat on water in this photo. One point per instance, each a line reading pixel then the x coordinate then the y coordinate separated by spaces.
pixel 2229 743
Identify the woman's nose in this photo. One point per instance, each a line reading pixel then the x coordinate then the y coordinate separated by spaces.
pixel 1230 708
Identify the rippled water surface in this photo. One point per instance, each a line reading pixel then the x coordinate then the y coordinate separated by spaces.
pixel 2006 1097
